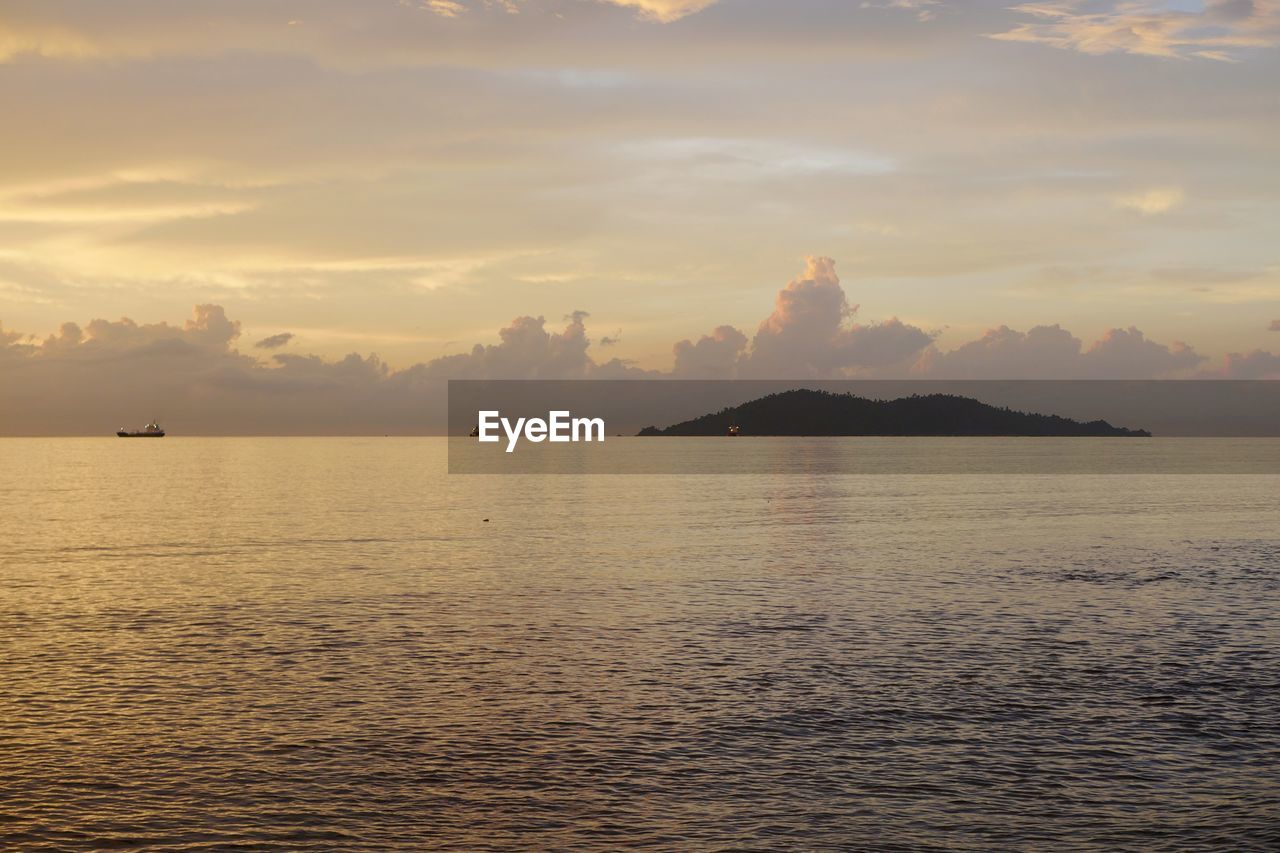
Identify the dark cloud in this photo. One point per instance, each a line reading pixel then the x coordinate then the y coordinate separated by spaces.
pixel 1128 354
pixel 1258 364
pixel 274 341
pixel 526 351
pixel 881 344
pixel 1042 352
pixel 11 346
pixel 714 356
pixel 1051 352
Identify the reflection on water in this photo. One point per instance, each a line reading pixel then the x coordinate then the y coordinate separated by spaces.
pixel 320 643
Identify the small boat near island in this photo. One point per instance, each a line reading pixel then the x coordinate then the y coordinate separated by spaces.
pixel 735 430
pixel 151 430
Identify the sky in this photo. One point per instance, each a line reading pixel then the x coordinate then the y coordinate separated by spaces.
pixel 289 194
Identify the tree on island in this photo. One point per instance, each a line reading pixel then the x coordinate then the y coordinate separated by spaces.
pixel 805 412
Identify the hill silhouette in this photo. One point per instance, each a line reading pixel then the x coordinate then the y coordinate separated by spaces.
pixel 822 413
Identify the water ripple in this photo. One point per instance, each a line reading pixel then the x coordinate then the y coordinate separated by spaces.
pixel 870 663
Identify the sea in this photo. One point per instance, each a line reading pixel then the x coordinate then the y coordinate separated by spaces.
pixel 335 644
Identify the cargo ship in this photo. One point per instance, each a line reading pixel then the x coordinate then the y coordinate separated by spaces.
pixel 151 430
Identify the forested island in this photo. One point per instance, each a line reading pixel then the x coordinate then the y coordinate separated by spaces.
pixel 806 412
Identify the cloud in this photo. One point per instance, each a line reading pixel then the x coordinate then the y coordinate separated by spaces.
pixel 806 334
pixel 1219 30
pixel 444 8
pixel 274 341
pixel 1128 354
pixel 49 42
pixel 925 10
pixel 209 329
pixel 881 344
pixel 1040 353
pixel 559 35
pixel 809 335
pixel 805 322
pixel 526 351
pixel 714 356
pixel 110 373
pixel 662 11
pixel 1258 364
pixel 1051 352
pixel 1152 202
pixel 12 347
pixel 600 153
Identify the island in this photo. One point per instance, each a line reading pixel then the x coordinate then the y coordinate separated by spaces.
pixel 806 412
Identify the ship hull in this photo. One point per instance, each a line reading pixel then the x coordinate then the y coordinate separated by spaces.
pixel 125 434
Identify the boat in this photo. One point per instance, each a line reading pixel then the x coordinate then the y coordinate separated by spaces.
pixel 151 430
pixel 735 430
pixel 475 432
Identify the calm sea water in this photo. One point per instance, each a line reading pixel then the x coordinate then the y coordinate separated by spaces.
pixel 323 644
